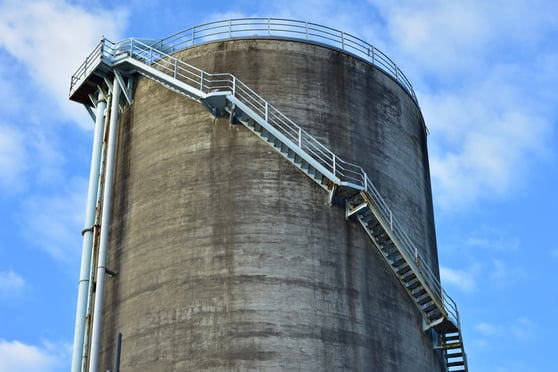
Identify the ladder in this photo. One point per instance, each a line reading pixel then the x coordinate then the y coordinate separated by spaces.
pixel 225 95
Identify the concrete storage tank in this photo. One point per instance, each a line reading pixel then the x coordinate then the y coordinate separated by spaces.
pixel 280 219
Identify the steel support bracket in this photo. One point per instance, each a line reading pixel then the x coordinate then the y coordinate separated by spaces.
pixel 349 211
pixel 126 87
pixel 332 194
pixel 232 114
pixel 427 326
pixel 110 272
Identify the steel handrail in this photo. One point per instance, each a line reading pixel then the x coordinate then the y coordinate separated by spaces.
pixel 286 29
pixel 208 83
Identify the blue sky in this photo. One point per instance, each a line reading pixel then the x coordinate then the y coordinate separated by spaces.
pixel 486 76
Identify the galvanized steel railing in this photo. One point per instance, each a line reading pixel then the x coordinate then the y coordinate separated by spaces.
pixel 285 29
pixel 339 170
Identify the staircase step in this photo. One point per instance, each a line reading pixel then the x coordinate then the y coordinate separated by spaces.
pixel 455 364
pixel 424 300
pixel 367 218
pixel 406 275
pixel 434 316
pixel 399 262
pixel 311 170
pixel 451 338
pixel 421 292
pixel 389 250
pixel 454 355
pixel 429 308
pixel 414 285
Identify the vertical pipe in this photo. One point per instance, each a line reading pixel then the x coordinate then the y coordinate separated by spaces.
pixel 105 227
pixel 84 274
pixel 118 352
pixel 95 253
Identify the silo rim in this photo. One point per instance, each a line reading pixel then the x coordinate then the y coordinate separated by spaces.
pixel 286 29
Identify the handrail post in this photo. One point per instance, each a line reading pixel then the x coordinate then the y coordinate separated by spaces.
pixel 342 40
pixel 230 28
pixel 201 81
pixel 365 181
pixel 268 27
pixel 300 137
pixel 102 47
pixel 307 35
pixel 234 86
pixel 266 111
pixel 194 35
pixel 390 220
pixel 334 164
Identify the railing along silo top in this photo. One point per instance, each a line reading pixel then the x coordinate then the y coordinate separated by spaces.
pixel 285 29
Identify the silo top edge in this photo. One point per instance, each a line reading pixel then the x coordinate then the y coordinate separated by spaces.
pixel 285 29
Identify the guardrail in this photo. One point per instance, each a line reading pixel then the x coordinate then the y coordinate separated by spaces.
pixel 287 29
pixel 208 83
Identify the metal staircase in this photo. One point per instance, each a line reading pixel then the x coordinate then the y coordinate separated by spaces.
pixel 224 94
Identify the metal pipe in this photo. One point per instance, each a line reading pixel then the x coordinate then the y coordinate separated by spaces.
pixel 95 253
pixel 105 227
pixel 85 270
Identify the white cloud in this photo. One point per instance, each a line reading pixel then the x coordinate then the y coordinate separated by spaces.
pixel 445 37
pixel 20 357
pixel 437 34
pixel 28 156
pixel 523 328
pixel 10 282
pixel 488 329
pixel 13 159
pixel 461 279
pixel 488 238
pixel 502 275
pixel 485 73
pixel 481 143
pixel 53 222
pixel 52 38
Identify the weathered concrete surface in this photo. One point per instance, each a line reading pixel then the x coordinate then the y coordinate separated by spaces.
pixel 230 259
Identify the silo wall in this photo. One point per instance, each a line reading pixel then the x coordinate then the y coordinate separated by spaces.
pixel 230 258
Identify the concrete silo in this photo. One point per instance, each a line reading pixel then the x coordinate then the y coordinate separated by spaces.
pixel 260 200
